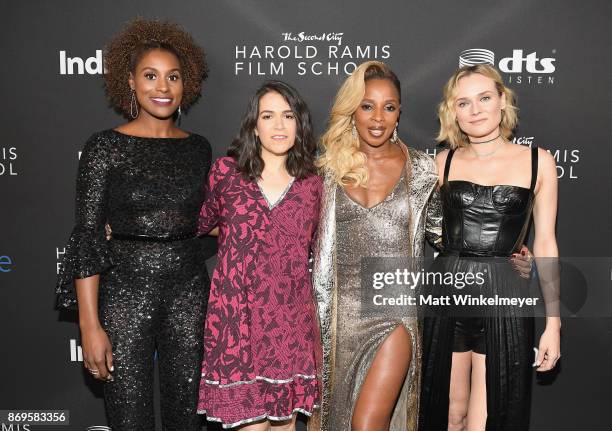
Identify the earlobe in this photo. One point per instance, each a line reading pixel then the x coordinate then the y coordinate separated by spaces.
pixel 503 101
pixel 131 81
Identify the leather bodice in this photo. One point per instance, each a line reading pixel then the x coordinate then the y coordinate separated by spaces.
pixel 485 220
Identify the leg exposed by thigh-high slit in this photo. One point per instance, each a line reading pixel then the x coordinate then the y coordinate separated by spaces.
pixel 383 383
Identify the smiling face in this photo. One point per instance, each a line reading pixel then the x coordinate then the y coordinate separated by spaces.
pixel 158 84
pixel 478 107
pixel 378 112
pixel 276 124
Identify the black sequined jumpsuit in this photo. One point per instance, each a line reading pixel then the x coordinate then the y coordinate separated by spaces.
pixel 153 280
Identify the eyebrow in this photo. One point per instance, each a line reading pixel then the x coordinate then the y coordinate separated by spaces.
pixel 152 68
pixel 386 101
pixel 272 112
pixel 479 94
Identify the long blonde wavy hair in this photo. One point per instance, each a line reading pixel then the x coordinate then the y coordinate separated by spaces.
pixel 449 129
pixel 341 155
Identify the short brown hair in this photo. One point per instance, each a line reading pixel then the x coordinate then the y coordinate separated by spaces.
pixel 139 36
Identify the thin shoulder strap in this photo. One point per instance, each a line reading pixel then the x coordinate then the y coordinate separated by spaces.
pixel 449 157
pixel 534 168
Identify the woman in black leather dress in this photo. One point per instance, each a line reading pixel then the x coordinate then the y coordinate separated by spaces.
pixel 144 291
pixel 477 368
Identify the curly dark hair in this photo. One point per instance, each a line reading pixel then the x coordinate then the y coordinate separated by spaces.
pixel 139 36
pixel 246 147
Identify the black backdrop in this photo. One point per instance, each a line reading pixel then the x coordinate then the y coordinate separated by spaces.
pixel 560 70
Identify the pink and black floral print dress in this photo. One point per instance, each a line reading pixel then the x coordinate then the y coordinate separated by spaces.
pixel 260 332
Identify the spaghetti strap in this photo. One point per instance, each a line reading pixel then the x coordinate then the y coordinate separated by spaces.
pixel 447 165
pixel 534 168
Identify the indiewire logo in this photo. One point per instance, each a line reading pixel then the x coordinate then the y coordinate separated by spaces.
pixel 58 254
pixel 5 264
pixel 76 352
pixel 91 65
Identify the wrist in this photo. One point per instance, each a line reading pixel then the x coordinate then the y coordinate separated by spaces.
pixel 553 323
pixel 89 325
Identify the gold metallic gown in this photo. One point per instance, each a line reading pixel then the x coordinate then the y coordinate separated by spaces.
pixel 348 232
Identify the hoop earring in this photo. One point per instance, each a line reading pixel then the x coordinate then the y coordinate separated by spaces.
pixel 133 105
pixel 394 137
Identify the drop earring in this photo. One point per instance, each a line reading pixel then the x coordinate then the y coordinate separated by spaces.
pixel 353 129
pixel 394 137
pixel 133 105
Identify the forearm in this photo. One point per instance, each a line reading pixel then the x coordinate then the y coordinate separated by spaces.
pixel 87 298
pixel 547 262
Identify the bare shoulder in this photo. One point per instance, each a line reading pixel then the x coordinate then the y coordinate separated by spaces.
pixel 546 162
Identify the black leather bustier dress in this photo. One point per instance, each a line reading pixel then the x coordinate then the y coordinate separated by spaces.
pixel 485 220
pixel 481 223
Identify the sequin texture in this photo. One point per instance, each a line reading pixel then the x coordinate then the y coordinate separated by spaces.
pixel 152 294
pixel 348 340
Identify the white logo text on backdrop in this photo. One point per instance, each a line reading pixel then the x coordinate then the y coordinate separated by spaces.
pixel 322 55
pixel 79 66
pixel 520 68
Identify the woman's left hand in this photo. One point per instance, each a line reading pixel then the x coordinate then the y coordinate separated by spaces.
pixel 549 350
pixel 523 262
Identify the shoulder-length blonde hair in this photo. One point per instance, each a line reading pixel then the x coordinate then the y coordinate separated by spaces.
pixel 341 155
pixel 449 129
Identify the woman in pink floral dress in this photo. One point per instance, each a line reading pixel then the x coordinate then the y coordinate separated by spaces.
pixel 260 333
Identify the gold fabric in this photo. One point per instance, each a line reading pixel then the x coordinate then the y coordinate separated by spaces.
pixel 349 344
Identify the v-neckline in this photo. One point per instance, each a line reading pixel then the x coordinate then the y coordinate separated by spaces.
pixel 270 205
pixel 398 182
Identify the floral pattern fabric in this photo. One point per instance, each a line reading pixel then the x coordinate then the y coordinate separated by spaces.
pixel 260 330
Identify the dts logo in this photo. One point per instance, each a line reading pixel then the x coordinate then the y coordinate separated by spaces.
pixel 532 63
pixel 521 68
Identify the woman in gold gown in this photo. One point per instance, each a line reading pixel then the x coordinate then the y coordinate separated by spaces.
pixel 377 193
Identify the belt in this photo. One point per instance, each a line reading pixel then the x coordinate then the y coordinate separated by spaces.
pixel 472 253
pixel 148 238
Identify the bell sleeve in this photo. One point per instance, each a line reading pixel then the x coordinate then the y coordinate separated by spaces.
pixel 209 213
pixel 87 251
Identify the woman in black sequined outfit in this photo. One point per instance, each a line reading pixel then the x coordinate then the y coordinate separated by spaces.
pixel 146 289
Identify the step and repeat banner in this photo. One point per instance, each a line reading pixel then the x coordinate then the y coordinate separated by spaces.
pixel 554 54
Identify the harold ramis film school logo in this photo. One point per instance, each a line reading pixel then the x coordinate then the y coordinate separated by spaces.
pixel 303 53
pixel 74 65
pixel 522 67
pixel 8 157
pixel 567 160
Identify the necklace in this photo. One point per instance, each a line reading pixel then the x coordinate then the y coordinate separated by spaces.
pixel 486 142
pixel 490 153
